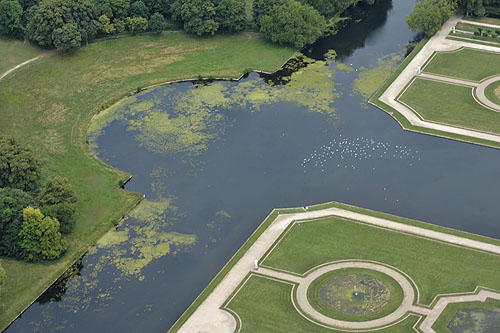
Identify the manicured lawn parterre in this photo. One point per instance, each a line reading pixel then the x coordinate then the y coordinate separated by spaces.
pixel 470 38
pixel 466 63
pixel 435 267
pixel 13 52
pixel 492 92
pixel 395 292
pixel 48 105
pixel 460 109
pixel 488 20
pixel 265 305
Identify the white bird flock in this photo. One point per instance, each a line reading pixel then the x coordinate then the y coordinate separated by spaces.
pixel 344 153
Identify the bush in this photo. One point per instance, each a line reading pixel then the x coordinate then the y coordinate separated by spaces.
pixel 477 33
pixel 485 34
pixel 480 30
pixel 497 31
pixel 494 35
pixel 157 23
pixel 57 190
pixel 64 213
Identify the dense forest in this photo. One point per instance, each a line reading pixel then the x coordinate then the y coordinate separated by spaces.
pixel 67 24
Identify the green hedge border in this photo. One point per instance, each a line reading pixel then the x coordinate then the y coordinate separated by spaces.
pixel 404 123
pixel 276 212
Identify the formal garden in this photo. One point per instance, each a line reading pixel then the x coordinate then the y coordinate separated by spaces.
pixel 266 299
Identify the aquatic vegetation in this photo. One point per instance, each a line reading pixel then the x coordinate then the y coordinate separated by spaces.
pixel 344 67
pixel 188 122
pixel 369 80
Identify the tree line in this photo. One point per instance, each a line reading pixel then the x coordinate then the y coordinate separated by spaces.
pixel 67 24
pixel 429 15
pixel 35 215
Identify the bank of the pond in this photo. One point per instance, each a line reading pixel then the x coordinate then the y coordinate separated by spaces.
pixel 52 113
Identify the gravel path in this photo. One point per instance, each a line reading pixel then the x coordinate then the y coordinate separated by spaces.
pixel 209 317
pixel 437 43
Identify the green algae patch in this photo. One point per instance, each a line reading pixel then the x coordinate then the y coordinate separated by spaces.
pixel 166 121
pixel 370 79
pixel 344 67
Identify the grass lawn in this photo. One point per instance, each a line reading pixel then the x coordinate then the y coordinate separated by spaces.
pixel 487 20
pixel 466 63
pixel 492 92
pixel 48 105
pixel 265 305
pixel 470 38
pixel 15 52
pixel 435 267
pixel 460 109
pixel 469 27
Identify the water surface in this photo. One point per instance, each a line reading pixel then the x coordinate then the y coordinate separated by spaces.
pixel 212 167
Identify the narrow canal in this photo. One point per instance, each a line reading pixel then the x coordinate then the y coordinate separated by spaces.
pixel 214 159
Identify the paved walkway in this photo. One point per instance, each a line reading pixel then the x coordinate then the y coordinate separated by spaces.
pixel 437 43
pixel 480 87
pixel 210 318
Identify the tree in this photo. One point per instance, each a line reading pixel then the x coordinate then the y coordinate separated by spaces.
pixel 10 17
pixel 293 23
pixel 157 23
pixel 139 9
pixel 198 16
pixel 40 236
pixel 119 25
pixel 263 7
pixel 64 213
pixel 157 6
pixel 57 190
pixel 3 278
pixel 18 167
pixel 107 27
pixel 51 15
pixel 67 38
pixel 231 15
pixel 117 9
pixel 137 24
pixel 12 203
pixel 429 15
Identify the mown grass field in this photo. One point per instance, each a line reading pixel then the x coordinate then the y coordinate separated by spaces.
pixel 459 109
pixel 48 105
pixel 265 305
pixel 488 20
pixel 466 63
pixel 13 52
pixel 435 267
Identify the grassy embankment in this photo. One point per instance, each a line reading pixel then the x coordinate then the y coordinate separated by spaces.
pixel 405 123
pixel 48 105
pixel 277 295
pixel 14 52
pixel 265 305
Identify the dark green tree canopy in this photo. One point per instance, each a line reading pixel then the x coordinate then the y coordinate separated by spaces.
pixel 139 9
pixel 157 23
pixel 231 15
pixel 10 17
pixel 67 38
pixel 429 15
pixel 18 167
pixel 64 213
pixel 12 203
pixel 198 16
pixel 264 7
pixel 51 15
pixel 57 190
pixel 293 23
pixel 117 9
